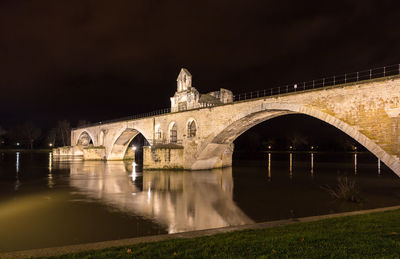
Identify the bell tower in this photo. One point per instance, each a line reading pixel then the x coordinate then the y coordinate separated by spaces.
pixel 186 96
pixel 184 80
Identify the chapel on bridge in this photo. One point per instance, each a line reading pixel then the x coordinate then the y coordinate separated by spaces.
pixel 187 97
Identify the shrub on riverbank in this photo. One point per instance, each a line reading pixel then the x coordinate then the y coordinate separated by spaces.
pixel 346 189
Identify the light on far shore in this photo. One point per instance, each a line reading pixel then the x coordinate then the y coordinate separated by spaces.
pixel 50 144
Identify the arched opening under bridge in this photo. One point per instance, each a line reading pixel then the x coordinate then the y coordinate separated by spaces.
pixel 85 139
pixel 302 135
pixel 296 132
pixel 129 146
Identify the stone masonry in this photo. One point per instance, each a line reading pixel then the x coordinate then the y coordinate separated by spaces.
pixel 202 135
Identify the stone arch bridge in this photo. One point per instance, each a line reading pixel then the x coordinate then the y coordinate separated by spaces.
pixel 202 137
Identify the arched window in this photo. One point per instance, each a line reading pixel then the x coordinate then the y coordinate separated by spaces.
pixel 158 133
pixel 192 129
pixel 173 134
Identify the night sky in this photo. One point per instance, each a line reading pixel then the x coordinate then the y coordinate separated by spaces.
pixel 98 60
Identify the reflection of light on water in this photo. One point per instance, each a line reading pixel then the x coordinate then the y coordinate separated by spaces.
pixel 355 163
pixel 269 166
pixel 291 165
pixel 379 166
pixel 17 163
pixel 148 195
pixel 133 175
pixel 183 201
pixel 312 164
pixel 50 181
pixel 17 182
pixel 50 162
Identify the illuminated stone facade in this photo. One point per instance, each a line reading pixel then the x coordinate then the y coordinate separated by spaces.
pixel 367 111
pixel 187 97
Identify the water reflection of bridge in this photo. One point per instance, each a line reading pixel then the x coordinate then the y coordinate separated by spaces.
pixel 181 201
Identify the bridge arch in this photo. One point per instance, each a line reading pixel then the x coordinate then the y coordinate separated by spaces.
pixel 223 139
pixel 85 139
pixel 121 143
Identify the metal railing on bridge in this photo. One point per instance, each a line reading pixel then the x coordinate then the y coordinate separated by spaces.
pixel 290 88
pixel 133 117
pixel 323 82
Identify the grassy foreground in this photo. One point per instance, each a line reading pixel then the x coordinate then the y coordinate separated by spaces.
pixel 369 235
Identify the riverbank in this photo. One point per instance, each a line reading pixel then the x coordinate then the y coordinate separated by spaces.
pixel 371 233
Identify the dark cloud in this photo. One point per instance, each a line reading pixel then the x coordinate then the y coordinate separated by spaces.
pixel 98 59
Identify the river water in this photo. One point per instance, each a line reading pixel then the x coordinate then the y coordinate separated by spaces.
pixel 46 202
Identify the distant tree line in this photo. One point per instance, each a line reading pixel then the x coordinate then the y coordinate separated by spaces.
pixel 30 135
